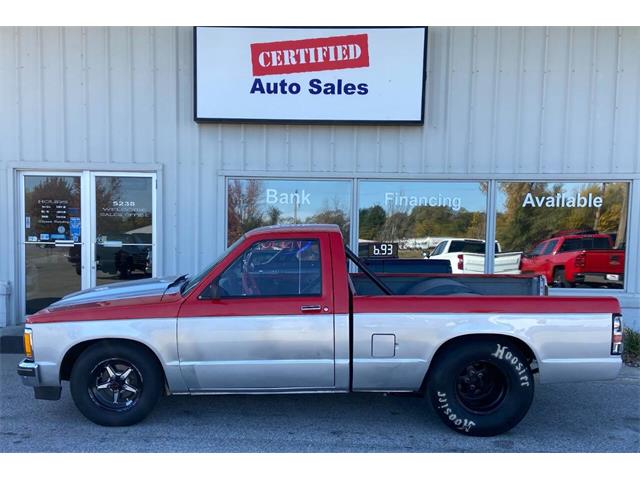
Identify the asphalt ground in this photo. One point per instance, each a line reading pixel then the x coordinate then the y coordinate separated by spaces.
pixel 578 417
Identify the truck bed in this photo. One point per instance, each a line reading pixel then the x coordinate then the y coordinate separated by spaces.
pixel 442 284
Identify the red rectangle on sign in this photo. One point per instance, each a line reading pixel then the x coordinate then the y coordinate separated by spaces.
pixel 310 55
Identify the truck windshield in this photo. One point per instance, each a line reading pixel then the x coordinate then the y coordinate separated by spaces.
pixel 186 288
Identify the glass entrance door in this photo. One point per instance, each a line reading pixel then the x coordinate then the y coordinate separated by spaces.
pixel 123 235
pixel 84 229
pixel 52 238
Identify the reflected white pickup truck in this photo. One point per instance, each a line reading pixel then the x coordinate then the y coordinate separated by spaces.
pixel 278 313
pixel 467 255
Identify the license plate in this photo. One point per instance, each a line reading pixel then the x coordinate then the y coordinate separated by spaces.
pixel 612 277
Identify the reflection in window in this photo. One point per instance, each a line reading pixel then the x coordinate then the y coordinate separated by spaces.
pixel 573 233
pixel 274 268
pixel 419 216
pixel 124 228
pixel 253 203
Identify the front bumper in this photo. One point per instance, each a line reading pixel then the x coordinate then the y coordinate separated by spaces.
pixel 29 372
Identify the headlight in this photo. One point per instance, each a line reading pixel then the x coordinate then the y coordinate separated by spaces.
pixel 28 343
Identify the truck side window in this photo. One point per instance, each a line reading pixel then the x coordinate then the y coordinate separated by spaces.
pixel 440 248
pixel 571 245
pixel 549 248
pixel 274 268
pixel 538 249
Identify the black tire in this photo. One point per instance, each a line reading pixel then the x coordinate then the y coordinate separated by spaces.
pixel 559 278
pixel 481 387
pixel 116 404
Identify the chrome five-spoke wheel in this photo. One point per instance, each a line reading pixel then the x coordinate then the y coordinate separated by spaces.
pixel 116 384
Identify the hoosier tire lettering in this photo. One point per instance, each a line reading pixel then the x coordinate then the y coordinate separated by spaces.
pixel 514 361
pixel 463 424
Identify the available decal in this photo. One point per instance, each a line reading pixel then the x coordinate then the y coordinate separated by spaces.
pixel 310 55
pixel 562 200
pixel 27 222
pixel 57 236
pixel 32 238
pixel 61 229
pixel 44 236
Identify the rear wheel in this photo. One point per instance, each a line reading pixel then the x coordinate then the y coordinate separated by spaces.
pixel 559 278
pixel 116 384
pixel 481 387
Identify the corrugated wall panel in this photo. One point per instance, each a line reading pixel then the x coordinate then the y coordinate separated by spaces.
pixel 28 93
pixel 521 100
pixel 512 101
pixel 8 95
pixel 508 103
pixel 628 106
pixel 97 94
pixel 484 73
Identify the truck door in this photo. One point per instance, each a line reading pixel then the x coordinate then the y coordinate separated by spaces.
pixel 265 322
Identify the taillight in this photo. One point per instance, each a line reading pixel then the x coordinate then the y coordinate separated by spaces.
pixel 580 260
pixel 616 334
pixel 460 262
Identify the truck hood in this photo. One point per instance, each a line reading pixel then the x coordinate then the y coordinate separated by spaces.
pixel 117 291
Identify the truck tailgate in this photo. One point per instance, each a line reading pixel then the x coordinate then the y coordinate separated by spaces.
pixel 603 261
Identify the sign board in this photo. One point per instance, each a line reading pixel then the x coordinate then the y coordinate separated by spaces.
pixel 310 75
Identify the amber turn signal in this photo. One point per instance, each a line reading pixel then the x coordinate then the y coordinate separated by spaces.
pixel 28 345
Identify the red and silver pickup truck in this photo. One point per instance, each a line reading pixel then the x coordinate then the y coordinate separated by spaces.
pixel 279 312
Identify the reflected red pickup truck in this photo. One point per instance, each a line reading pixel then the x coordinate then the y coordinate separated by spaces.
pixel 576 260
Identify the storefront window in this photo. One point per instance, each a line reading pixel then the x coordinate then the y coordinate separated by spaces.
pixel 423 219
pixel 573 233
pixel 253 203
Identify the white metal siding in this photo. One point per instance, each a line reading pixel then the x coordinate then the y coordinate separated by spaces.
pixel 516 102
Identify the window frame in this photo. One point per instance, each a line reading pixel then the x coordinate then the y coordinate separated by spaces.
pixel 633 186
pixel 492 180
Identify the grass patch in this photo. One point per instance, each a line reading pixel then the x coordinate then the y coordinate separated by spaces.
pixel 631 350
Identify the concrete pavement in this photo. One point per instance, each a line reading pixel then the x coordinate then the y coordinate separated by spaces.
pixel 579 417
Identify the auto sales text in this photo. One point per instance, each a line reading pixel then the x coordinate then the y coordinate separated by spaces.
pixel 315 87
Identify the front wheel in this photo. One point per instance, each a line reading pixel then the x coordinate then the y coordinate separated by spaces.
pixel 116 384
pixel 481 387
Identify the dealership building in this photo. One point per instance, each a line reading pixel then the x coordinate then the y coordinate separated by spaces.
pixel 127 153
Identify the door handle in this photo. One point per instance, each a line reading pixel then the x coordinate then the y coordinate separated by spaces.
pixel 310 308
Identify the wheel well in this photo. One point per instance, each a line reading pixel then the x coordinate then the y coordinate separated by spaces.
pixel 74 352
pixel 531 357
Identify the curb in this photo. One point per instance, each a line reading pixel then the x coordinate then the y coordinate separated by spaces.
pixel 11 339
pixel 11 345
